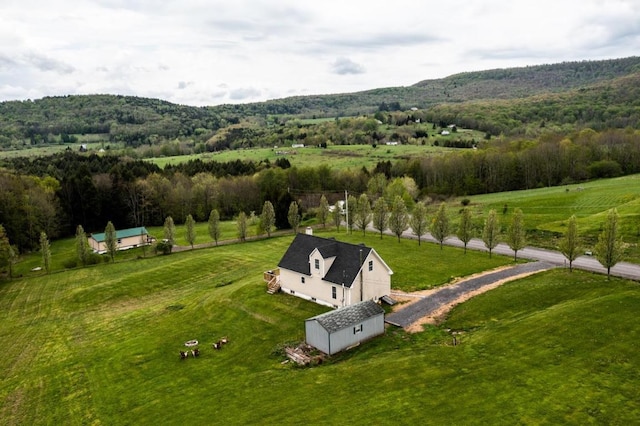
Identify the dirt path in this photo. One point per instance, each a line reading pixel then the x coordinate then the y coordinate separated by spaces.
pixel 430 306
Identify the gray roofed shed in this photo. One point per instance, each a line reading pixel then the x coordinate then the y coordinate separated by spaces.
pixel 337 330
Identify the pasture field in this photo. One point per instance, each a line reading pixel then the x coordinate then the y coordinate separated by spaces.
pixel 547 210
pixel 99 345
pixel 336 156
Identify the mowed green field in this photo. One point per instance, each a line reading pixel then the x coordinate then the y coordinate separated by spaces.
pixel 99 345
pixel 547 210
pixel 336 156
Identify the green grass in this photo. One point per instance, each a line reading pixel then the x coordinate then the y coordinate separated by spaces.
pixel 100 345
pixel 339 156
pixel 547 210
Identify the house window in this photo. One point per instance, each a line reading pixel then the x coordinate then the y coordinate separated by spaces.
pixel 119 241
pixel 317 263
pixel 334 293
pixel 357 329
pixel 302 280
pixel 370 265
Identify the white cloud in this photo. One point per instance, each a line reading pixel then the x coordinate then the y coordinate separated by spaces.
pixel 343 66
pixel 209 52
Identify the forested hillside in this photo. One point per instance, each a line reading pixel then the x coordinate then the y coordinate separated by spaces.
pixel 599 94
pixel 555 124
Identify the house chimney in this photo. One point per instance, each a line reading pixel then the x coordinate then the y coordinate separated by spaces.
pixel 309 231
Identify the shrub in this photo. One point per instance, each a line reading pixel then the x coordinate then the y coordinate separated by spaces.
pixel 163 247
pixel 70 264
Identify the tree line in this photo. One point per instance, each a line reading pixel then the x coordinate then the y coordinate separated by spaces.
pixel 55 194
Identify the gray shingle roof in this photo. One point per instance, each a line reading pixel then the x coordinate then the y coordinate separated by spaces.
pixel 348 316
pixel 345 267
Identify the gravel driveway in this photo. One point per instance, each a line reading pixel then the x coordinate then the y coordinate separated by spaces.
pixel 429 304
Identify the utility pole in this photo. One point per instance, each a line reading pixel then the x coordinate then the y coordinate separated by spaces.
pixel 346 204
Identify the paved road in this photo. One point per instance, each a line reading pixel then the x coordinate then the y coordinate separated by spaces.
pixel 588 263
pixel 429 304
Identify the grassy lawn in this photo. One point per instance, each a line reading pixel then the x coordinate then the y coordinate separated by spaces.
pixel 547 210
pixel 100 345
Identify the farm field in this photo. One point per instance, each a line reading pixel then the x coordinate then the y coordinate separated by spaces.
pixel 336 156
pixel 99 345
pixel 547 210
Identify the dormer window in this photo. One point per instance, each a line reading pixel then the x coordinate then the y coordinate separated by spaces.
pixel 317 263
pixel 370 265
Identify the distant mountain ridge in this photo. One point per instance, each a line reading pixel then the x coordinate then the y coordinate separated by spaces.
pixel 609 83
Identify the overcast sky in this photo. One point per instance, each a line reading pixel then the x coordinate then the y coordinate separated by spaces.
pixel 208 52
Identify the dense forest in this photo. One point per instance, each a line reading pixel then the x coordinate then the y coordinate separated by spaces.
pixel 543 126
pixel 57 193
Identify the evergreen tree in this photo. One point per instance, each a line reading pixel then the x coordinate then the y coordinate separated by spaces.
pixel 82 245
pixel 516 233
pixel 380 215
pixel 214 225
pixel 268 217
pixel 570 243
pixel 465 228
pixel 418 221
pixel 491 231
pixel 608 250
pixel 323 211
pixel 111 240
pixel 440 225
pixel 242 225
pixel 293 216
pixel 45 249
pixel 399 218
pixel 190 230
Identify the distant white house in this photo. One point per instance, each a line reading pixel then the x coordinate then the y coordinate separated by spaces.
pixel 445 133
pixel 392 143
pixel 126 239
pixel 337 330
pixel 340 206
pixel 297 145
